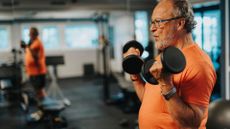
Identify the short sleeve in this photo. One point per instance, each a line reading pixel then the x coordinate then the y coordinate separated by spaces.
pixel 35 45
pixel 198 85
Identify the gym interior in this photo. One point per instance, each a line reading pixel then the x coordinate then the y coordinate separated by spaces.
pixel 83 42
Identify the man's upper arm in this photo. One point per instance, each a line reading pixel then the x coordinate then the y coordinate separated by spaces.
pixel 35 46
pixel 198 87
pixel 34 49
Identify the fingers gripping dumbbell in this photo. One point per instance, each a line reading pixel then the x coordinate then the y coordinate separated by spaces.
pixel 173 62
pixel 23 44
pixel 172 59
pixel 132 64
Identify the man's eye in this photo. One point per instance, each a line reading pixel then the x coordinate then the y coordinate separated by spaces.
pixel 157 21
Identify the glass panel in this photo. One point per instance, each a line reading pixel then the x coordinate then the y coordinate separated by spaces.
pixel 212 35
pixel 141 27
pixel 211 30
pixel 25 34
pixel 81 36
pixel 210 42
pixel 50 37
pixel 197 32
pixel 4 36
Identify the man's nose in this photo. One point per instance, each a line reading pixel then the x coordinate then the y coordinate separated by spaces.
pixel 153 28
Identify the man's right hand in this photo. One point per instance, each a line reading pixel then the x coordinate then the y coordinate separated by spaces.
pixel 135 78
pixel 23 44
pixel 132 51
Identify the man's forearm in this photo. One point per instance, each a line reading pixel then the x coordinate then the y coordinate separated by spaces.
pixel 139 85
pixel 139 88
pixel 185 115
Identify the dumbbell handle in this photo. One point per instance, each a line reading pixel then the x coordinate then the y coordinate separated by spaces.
pixel 145 73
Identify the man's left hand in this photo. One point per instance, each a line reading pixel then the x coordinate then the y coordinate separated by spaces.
pixel 164 78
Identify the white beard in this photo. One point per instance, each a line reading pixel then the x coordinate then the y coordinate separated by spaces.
pixel 162 44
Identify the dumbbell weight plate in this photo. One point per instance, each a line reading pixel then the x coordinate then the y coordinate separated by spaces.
pixel 173 60
pixel 146 75
pixel 135 44
pixel 132 64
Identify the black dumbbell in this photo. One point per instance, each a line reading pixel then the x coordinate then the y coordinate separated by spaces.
pixel 173 62
pixel 132 64
pixel 23 44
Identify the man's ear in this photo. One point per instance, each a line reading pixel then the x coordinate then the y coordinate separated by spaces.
pixel 181 25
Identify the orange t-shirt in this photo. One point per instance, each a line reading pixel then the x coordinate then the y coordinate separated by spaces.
pixel 31 67
pixel 194 85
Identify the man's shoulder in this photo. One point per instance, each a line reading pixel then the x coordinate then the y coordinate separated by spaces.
pixel 37 40
pixel 36 43
pixel 198 63
pixel 195 56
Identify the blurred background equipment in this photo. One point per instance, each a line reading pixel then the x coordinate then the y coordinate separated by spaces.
pixel 219 117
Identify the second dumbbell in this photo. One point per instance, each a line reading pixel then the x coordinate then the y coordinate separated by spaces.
pixel 132 64
pixel 173 62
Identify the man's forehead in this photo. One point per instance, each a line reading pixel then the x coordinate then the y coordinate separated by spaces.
pixel 162 14
pixel 163 9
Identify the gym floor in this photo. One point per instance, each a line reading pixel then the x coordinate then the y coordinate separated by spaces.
pixel 87 110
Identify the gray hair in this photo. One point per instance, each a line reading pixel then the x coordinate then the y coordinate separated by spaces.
pixel 35 31
pixel 183 8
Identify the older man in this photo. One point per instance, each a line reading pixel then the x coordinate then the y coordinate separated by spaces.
pixel 179 101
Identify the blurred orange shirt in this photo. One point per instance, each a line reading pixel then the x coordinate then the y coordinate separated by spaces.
pixel 194 86
pixel 31 68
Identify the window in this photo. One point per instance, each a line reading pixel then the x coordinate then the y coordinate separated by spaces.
pixel 4 36
pixel 141 27
pixel 50 37
pixel 211 31
pixel 25 34
pixel 81 36
pixel 207 35
pixel 197 32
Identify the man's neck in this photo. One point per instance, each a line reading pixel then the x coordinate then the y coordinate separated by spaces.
pixel 184 40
